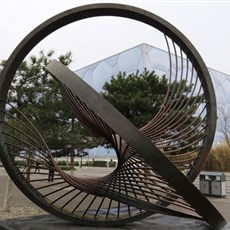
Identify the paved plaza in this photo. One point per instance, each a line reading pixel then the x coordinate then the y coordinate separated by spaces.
pixel 47 221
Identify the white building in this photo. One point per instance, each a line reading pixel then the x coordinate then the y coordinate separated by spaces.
pixel 152 58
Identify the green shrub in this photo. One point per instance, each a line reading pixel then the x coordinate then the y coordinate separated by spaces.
pixel 99 163
pixel 62 163
pixel 93 163
pixel 65 168
pixel 76 163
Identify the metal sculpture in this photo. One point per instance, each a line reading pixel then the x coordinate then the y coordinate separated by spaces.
pixel 149 176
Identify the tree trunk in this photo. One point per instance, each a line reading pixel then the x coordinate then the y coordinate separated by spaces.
pixel 6 205
pixel 72 162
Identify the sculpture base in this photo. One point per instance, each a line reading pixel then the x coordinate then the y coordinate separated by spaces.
pixel 156 222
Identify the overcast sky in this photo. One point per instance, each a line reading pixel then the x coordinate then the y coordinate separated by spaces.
pixel 205 23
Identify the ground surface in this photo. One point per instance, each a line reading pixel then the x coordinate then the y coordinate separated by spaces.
pixel 24 214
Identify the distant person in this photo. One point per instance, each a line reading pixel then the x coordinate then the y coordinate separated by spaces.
pixel 51 172
pixel 37 168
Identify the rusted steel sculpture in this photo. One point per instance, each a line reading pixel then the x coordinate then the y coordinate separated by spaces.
pixel 149 176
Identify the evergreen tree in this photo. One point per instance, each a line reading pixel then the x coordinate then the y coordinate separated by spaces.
pixel 137 96
pixel 37 94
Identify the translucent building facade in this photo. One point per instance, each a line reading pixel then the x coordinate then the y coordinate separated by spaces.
pixel 152 58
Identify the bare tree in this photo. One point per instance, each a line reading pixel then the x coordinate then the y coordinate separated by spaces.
pixel 223 124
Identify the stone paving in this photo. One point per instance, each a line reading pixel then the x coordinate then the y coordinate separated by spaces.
pixel 156 222
pixel 47 221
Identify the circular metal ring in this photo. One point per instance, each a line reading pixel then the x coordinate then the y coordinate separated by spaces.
pixel 208 105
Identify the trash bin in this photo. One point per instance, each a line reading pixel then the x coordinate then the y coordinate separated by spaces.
pixel 205 186
pixel 213 183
